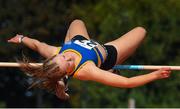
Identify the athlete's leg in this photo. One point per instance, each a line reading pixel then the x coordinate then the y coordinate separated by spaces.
pixel 77 27
pixel 128 43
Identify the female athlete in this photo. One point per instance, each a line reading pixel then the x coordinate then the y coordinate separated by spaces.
pixel 84 59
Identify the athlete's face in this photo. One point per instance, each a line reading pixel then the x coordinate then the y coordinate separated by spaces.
pixel 66 64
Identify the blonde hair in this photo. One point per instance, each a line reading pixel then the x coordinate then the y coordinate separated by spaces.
pixel 45 76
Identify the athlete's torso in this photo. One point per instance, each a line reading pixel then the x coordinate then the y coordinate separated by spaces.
pixel 87 50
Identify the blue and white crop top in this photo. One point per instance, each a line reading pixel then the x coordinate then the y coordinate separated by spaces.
pixel 86 49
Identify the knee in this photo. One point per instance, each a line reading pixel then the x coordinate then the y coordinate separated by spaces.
pixel 141 30
pixel 77 22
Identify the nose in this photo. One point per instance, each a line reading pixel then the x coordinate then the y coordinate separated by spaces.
pixel 63 60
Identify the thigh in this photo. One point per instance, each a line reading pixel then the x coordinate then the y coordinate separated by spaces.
pixel 77 27
pixel 128 43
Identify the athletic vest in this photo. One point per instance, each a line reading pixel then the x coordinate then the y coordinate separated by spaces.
pixel 86 49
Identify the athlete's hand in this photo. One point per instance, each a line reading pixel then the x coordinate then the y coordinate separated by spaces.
pixel 16 39
pixel 163 73
pixel 60 91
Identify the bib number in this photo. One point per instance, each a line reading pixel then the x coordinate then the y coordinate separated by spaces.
pixel 88 44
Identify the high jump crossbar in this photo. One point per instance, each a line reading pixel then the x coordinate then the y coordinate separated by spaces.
pixel 144 67
pixel 15 64
pixel 116 67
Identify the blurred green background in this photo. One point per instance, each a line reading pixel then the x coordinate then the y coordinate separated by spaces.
pixel 48 20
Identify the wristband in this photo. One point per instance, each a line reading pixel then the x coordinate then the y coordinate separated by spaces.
pixel 20 38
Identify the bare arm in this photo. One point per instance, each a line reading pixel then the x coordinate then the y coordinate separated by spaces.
pixel 41 47
pixel 115 80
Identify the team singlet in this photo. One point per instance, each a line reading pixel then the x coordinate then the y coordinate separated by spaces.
pixel 86 49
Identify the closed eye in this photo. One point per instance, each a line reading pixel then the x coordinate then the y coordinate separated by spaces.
pixel 63 56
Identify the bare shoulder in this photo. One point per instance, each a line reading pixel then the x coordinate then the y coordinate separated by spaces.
pixel 86 71
pixel 55 50
pixel 51 50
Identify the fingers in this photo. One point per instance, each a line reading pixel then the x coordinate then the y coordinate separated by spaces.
pixel 60 92
pixel 165 72
pixel 15 39
pixel 10 40
pixel 58 87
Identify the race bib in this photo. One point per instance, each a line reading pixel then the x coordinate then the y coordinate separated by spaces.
pixel 88 44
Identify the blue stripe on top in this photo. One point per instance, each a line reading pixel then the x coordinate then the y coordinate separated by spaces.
pixel 128 67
